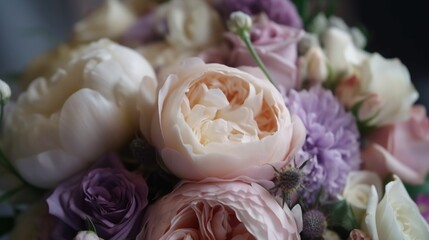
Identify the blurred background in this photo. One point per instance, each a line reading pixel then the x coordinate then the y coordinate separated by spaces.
pixel 29 28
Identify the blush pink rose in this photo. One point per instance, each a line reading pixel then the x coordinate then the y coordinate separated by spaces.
pixel 221 210
pixel 401 148
pixel 276 45
pixel 217 121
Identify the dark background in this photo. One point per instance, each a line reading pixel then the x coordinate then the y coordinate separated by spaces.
pixel 396 29
pixel 399 29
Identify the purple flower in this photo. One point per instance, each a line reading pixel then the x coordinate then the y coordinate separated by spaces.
pixel 109 195
pixel 276 45
pixel 331 145
pixel 280 11
pixel 422 202
pixel 145 30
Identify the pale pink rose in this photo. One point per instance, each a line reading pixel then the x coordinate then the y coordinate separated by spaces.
pixel 275 44
pixel 216 121
pixel 220 210
pixel 401 148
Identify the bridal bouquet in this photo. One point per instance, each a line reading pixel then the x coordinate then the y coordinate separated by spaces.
pixel 214 119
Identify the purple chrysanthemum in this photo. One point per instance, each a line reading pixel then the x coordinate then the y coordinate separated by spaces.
pixel 279 11
pixel 331 145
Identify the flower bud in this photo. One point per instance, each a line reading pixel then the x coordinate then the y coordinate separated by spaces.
pixel 317 68
pixel 369 107
pixel 289 179
pixel 357 234
pixel 4 92
pixel 87 235
pixel 314 223
pixel 239 21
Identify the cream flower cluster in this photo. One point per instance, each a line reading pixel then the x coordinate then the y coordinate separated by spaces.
pixel 61 124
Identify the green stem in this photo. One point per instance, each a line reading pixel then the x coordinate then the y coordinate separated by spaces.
pixel 245 36
pixel 7 195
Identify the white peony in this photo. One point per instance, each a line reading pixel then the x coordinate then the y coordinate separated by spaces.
pixel 215 121
pixel 60 125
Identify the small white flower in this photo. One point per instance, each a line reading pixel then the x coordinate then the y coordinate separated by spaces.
pixel 4 91
pixel 239 21
pixel 87 235
pixel 317 66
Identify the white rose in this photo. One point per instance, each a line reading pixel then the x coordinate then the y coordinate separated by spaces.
pixel 390 80
pixel 217 121
pixel 358 189
pixel 110 20
pixel 396 216
pixel 62 124
pixel 341 52
pixel 365 74
pixel 191 23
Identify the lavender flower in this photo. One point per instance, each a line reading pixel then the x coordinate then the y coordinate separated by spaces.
pixel 331 145
pixel 422 202
pixel 280 11
pixel 112 197
pixel 145 30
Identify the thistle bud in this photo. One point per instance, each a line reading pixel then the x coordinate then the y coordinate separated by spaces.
pixel 314 224
pixel 289 179
pixel 239 21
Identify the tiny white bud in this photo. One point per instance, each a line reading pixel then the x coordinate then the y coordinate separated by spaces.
pixel 370 107
pixel 316 65
pixel 4 91
pixel 239 21
pixel 87 235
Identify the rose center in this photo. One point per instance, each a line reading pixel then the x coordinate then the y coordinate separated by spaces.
pixel 220 108
pixel 210 220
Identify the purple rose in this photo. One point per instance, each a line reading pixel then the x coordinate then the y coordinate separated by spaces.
pixel 276 45
pixel 279 11
pixel 109 195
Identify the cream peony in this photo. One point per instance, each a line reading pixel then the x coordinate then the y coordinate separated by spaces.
pixel 365 74
pixel 110 20
pixel 216 121
pixel 358 189
pixel 220 210
pixel 62 124
pixel 396 216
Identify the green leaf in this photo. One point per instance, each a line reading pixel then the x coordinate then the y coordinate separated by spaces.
pixel 90 225
pixel 340 214
pixel 415 190
pixel 9 194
